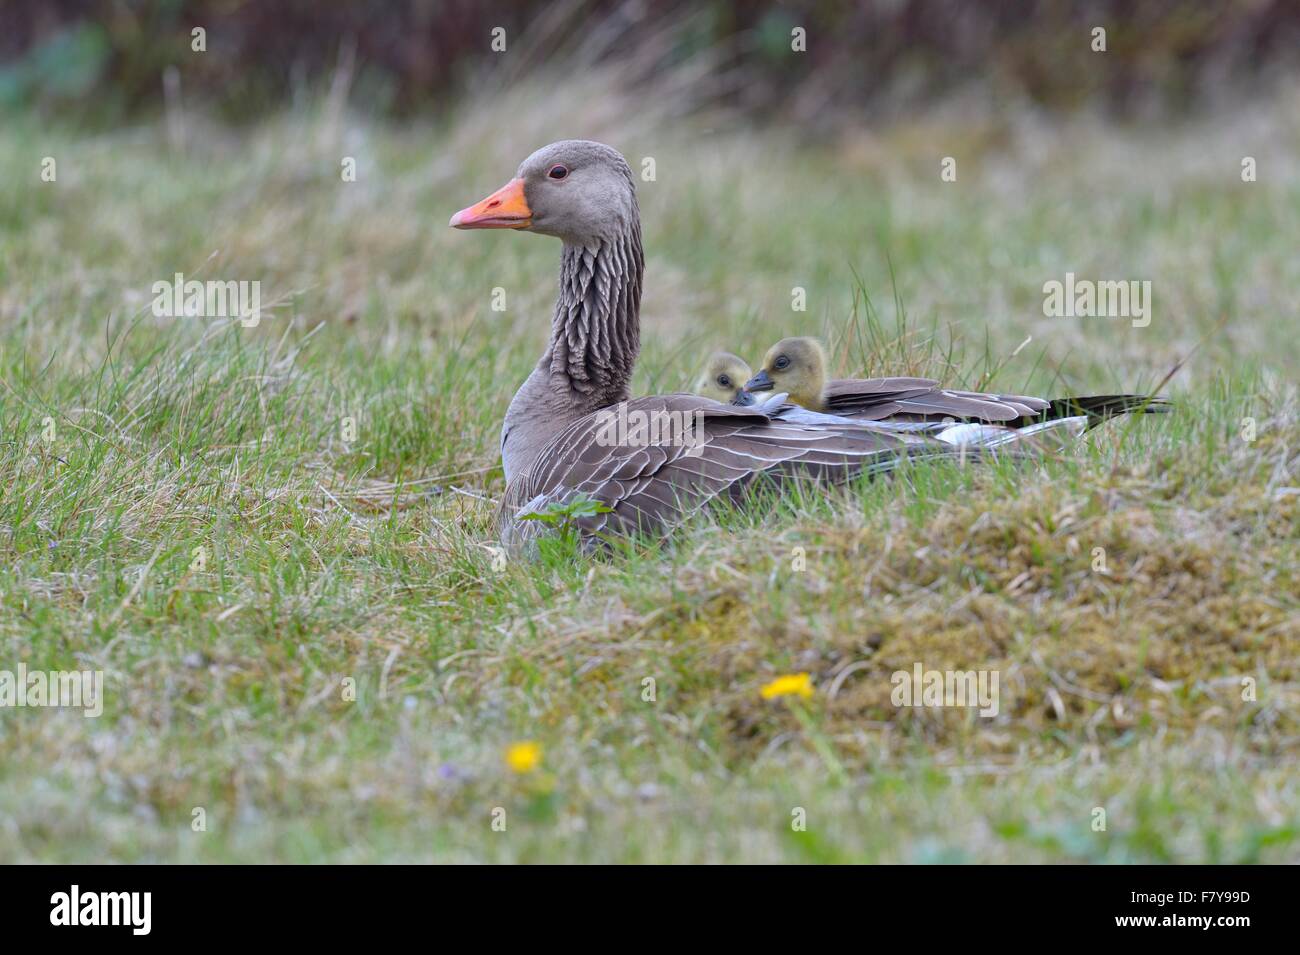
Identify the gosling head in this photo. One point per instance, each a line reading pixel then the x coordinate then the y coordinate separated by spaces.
pixel 576 190
pixel 724 380
pixel 796 366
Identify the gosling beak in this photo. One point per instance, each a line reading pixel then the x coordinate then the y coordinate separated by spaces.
pixel 743 398
pixel 760 382
pixel 504 209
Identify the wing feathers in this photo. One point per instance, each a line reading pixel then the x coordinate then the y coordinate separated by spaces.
pixel 653 487
pixel 653 480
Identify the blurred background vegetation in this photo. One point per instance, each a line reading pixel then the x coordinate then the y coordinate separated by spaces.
pixel 103 61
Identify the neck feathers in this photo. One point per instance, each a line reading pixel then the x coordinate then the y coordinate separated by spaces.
pixel 596 334
pixel 595 337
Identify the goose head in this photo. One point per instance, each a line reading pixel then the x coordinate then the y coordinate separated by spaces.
pixel 724 379
pixel 579 191
pixel 796 366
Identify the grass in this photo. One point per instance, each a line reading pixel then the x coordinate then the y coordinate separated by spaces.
pixel 198 528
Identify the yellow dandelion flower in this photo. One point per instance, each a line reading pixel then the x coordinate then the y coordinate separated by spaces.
pixel 792 684
pixel 524 757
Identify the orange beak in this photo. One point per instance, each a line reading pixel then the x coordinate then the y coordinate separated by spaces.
pixel 504 209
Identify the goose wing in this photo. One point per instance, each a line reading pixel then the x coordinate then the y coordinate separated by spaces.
pixel 922 399
pixel 875 399
pixel 652 483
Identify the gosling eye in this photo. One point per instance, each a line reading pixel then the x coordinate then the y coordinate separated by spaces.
pixel 558 171
pixel 724 381
pixel 781 363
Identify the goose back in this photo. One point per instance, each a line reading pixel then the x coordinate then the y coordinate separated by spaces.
pixel 651 486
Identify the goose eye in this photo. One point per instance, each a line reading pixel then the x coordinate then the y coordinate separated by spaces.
pixel 558 171
pixel 724 381
pixel 782 362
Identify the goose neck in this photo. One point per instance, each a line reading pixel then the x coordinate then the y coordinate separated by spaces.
pixel 595 337
pixel 596 333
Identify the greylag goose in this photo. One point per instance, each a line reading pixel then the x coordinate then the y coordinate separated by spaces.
pixel 724 380
pixel 571 435
pixel 797 366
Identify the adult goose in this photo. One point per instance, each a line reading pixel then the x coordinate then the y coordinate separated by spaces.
pixel 797 366
pixel 571 431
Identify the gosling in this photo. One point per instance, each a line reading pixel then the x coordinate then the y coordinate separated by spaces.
pixel 724 380
pixel 796 366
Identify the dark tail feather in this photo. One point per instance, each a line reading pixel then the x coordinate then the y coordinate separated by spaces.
pixel 1100 407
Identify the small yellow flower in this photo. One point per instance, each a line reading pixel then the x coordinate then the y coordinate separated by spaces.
pixel 792 684
pixel 524 757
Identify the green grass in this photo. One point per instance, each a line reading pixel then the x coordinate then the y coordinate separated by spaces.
pixel 371 560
